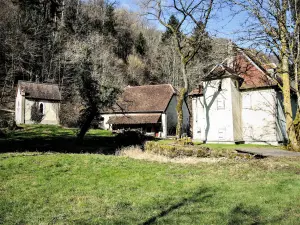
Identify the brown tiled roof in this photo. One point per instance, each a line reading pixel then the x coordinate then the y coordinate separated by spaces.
pixel 255 76
pixel 40 91
pixel 150 118
pixel 147 98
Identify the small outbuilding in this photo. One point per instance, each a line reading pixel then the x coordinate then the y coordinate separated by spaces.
pixel 37 103
pixel 149 108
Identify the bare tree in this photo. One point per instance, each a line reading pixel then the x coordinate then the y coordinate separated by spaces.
pixel 189 36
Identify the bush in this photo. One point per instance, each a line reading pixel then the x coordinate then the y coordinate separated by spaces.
pixel 131 137
pixel 2 134
pixel 179 150
pixel 184 141
pixel 69 114
pixel 176 150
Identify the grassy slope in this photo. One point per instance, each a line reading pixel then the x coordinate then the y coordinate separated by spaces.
pixel 97 189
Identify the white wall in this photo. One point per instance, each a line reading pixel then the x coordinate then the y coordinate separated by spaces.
pixel 18 108
pixel 198 118
pixel 51 112
pixel 218 115
pixel 259 110
pixel 106 117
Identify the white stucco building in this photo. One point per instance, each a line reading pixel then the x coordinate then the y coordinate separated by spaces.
pixel 150 108
pixel 239 101
pixel 37 103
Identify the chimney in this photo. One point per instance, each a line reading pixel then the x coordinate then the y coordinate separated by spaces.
pixel 230 53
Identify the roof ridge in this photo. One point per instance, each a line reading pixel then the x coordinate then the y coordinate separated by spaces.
pixel 30 82
pixel 129 86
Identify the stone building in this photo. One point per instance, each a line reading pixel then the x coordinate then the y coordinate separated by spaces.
pixel 37 103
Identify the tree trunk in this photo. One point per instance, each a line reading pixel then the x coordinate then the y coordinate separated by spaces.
pixel 181 99
pixel 286 89
pixel 85 127
pixel 286 86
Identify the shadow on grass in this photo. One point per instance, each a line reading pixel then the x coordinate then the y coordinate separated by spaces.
pixel 198 196
pixel 247 214
pixel 65 142
pixel 242 214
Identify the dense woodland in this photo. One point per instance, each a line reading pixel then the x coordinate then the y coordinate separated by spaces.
pixel 57 41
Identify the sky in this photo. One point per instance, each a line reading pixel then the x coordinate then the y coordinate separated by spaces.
pixel 222 26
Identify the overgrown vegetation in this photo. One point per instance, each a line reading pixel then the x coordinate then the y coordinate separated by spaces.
pixel 95 189
pixel 176 149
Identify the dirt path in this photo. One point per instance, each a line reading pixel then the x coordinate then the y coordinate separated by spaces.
pixel 268 152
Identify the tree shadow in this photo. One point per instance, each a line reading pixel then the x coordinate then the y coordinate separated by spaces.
pixel 198 196
pixel 242 214
pixel 66 142
pixel 207 106
pixel 250 214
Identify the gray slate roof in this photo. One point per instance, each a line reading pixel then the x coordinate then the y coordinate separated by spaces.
pixel 40 91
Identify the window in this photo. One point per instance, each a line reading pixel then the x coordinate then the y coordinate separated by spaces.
pixel 221 133
pixel 41 108
pixel 220 103
pixel 247 102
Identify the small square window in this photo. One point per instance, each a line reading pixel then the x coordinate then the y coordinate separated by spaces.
pixel 220 104
pixel 221 133
pixel 247 102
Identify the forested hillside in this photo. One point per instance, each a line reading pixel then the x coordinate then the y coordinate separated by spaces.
pixel 57 41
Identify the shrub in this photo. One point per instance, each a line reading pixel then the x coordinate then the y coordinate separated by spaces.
pixel 69 114
pixel 36 115
pixel 184 141
pixel 2 134
pixel 176 150
pixel 179 150
pixel 131 137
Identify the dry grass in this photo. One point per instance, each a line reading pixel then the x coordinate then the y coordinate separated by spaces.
pixel 136 152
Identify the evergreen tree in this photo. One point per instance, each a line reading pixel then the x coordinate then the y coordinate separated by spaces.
pixel 141 45
pixel 109 22
pixel 174 22
pixel 125 44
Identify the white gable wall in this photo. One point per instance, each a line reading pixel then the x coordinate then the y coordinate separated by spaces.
pixel 259 110
pixel 51 112
pixel 218 120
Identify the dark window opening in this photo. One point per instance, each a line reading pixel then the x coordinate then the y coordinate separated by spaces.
pixel 41 108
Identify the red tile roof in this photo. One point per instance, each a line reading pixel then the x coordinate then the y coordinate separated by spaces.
pixel 254 75
pixel 151 118
pixel 147 98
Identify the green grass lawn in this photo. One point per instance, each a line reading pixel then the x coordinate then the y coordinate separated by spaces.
pixel 96 189
pixel 51 131
pixel 57 139
pixel 222 146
